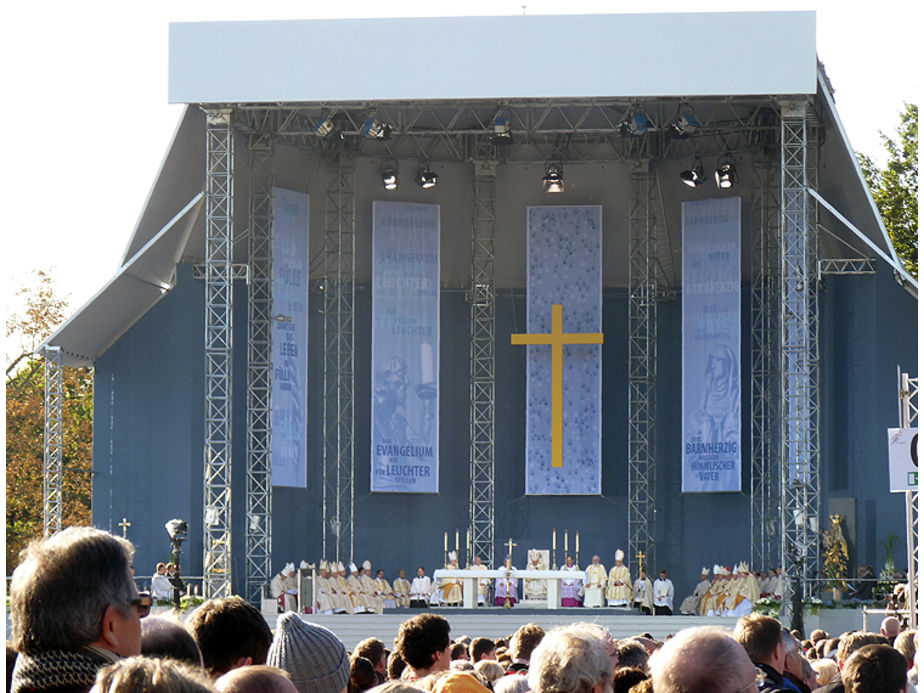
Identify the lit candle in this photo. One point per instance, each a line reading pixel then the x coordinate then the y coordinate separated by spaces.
pixel 553 540
pixel 577 542
pixel 457 543
pixel 445 542
pixel 566 542
pixel 468 546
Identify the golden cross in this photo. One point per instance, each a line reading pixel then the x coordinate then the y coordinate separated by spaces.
pixel 641 557
pixel 557 339
pixel 125 524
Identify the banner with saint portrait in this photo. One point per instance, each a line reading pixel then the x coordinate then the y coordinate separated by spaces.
pixel 711 345
pixel 405 347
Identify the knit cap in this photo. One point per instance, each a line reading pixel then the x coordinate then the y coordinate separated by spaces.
pixel 315 658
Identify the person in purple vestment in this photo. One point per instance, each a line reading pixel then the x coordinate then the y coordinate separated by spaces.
pixel 571 589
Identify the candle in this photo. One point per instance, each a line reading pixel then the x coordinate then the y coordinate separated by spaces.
pixel 457 543
pixel 553 540
pixel 577 542
pixel 566 542
pixel 445 542
pixel 468 546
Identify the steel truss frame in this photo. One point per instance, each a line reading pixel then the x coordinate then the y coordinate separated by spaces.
pixel 643 359
pixel 216 562
pixel 53 443
pixel 339 358
pixel 908 408
pixel 765 369
pixel 481 364
pixel 798 346
pixel 259 499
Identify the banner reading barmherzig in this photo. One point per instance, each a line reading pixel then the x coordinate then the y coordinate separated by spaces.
pixel 405 347
pixel 712 345
pixel 290 338
pixel 564 267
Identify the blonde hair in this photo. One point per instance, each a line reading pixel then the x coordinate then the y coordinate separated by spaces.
pixel 826 670
pixel 151 675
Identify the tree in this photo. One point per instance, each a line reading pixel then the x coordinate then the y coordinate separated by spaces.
pixel 25 389
pixel 895 187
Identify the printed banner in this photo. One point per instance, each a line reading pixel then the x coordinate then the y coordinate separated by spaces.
pixel 712 345
pixel 903 459
pixel 564 266
pixel 405 347
pixel 290 338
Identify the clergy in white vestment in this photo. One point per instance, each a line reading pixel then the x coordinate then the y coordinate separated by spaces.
pixel 482 584
pixel 663 591
pixel 327 587
pixel 571 589
pixel 284 584
pixel 642 593
pixel 535 589
pixel 747 592
pixel 451 588
pixel 690 605
pixel 160 584
pixel 365 605
pixel 619 583
pixel 420 590
pixel 385 590
pixel 402 590
pixel 504 587
pixel 594 583
pixel 370 588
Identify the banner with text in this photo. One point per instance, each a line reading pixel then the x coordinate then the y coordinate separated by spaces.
pixel 564 267
pixel 711 326
pixel 290 338
pixel 405 347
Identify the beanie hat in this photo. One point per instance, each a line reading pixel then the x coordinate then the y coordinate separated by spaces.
pixel 314 657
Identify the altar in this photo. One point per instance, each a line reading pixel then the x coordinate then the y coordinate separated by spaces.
pixel 470 580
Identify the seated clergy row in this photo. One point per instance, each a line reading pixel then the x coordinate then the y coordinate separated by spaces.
pixel 732 592
pixel 340 591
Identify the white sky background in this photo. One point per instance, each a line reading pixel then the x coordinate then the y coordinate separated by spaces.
pixel 86 120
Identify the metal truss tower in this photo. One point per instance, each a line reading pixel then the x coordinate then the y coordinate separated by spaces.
pixel 216 563
pixel 481 413
pixel 798 353
pixel 259 537
pixel 339 320
pixel 908 408
pixel 765 375
pixel 53 486
pixel 643 356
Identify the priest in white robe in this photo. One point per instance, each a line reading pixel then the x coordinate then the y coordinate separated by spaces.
pixel 484 584
pixel 690 605
pixel 619 583
pixel 402 590
pixel 504 588
pixel 284 584
pixel 375 600
pixel 594 583
pixel 420 590
pixel 571 589
pixel 643 593
pixel 385 590
pixel 535 589
pixel 663 598
pixel 451 588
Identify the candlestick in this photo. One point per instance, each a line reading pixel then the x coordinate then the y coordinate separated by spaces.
pixel 553 540
pixel 457 543
pixel 445 542
pixel 577 542
pixel 566 542
pixel 468 546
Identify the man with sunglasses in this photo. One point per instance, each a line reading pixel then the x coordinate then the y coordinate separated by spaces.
pixel 74 609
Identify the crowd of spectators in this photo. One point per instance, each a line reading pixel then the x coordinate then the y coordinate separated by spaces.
pixel 80 625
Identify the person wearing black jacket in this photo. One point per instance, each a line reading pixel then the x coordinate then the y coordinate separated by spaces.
pixel 761 638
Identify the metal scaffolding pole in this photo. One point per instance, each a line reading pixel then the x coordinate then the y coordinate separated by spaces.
pixel 765 376
pixel 481 413
pixel 52 510
pixel 259 536
pixel 908 408
pixel 642 364
pixel 798 352
pixel 339 319
pixel 216 563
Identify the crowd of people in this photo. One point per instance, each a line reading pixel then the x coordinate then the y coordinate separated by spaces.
pixel 79 624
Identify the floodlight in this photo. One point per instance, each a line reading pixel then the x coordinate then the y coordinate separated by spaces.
pixel 325 126
pixel 375 129
pixel 726 175
pixel 554 179
pixel 426 178
pixel 696 175
pixel 635 123
pixel 177 530
pixel 502 134
pixel 390 177
pixel 686 123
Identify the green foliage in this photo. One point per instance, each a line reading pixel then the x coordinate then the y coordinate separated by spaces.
pixel 895 187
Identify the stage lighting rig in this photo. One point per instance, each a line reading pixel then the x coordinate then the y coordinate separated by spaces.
pixel 554 179
pixel 390 177
pixel 502 134
pixel 635 123
pixel 695 175
pixel 326 127
pixel 375 129
pixel 726 175
pixel 426 178
pixel 686 122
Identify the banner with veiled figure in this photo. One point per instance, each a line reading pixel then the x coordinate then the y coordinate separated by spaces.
pixel 405 347
pixel 711 328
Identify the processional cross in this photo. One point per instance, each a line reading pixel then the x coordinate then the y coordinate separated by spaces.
pixel 507 603
pixel 557 339
pixel 641 557
pixel 125 524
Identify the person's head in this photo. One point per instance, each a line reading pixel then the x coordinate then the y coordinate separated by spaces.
pixel 875 669
pixel 171 568
pixel 420 571
pixel 619 556
pixel 511 684
pixel 258 678
pixel 852 642
pixel 569 561
pixel 396 665
pixel 458 651
pixel 761 638
pixel 401 573
pixel 161 568
pixel 380 574
pixel 315 659
pixel 372 649
pixel 817 635
pixel 663 573
pixel 904 643
pixel 161 637
pixel 625 678
pixel 825 671
pixel 830 648
pixel 705 658
pixel 423 642
pixel 525 640
pixel 571 659
pixel 890 627
pixel 595 560
pixel 792 654
pixel 151 675
pixel 477 560
pixel 362 675
pixel 631 654
pixel 482 648
pixel 230 633
pixel 74 589
pixel 642 574
pixel 490 670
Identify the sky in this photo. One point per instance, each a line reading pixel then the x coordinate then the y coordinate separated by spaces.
pixel 87 121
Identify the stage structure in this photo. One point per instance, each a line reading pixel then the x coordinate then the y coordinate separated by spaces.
pixel 766 118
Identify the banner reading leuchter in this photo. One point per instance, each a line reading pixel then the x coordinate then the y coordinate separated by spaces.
pixel 405 347
pixel 712 345
pixel 290 338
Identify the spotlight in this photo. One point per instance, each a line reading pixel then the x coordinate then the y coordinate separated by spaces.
pixel 390 178
pixel 325 126
pixel 686 123
pixel 554 179
pixel 635 123
pixel 502 134
pixel 726 175
pixel 426 178
pixel 694 176
pixel 375 129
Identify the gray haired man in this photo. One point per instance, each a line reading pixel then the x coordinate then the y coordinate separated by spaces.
pixel 74 609
pixel 571 659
